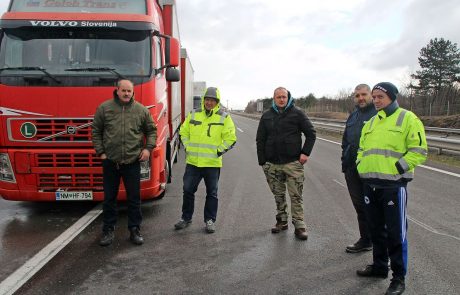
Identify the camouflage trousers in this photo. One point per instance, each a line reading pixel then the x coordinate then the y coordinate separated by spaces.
pixel 290 175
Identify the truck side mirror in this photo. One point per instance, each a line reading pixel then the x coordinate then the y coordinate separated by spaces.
pixel 172 75
pixel 172 52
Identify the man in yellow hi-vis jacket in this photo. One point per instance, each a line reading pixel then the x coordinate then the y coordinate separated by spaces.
pixel 206 136
pixel 392 143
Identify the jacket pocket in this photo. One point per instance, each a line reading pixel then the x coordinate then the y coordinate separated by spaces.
pixel 394 137
pixel 292 147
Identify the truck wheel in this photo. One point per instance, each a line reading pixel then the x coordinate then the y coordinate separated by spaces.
pixel 168 171
pixel 177 153
pixel 168 178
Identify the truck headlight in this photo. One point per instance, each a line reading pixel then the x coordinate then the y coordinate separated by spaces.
pixel 145 170
pixel 6 171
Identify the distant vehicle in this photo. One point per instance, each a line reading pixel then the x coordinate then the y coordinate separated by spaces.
pixel 58 61
pixel 199 88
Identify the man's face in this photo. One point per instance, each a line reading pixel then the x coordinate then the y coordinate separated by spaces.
pixel 362 97
pixel 381 99
pixel 209 103
pixel 281 98
pixel 125 91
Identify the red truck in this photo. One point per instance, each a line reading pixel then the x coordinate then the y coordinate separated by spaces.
pixel 59 59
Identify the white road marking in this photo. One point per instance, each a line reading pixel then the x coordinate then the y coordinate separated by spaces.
pixel 240 130
pixel 430 229
pixel 15 281
pixel 440 171
pixel 334 142
pixel 422 166
pixel 339 183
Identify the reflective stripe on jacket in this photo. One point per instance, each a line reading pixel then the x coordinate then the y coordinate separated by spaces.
pixel 207 136
pixel 389 142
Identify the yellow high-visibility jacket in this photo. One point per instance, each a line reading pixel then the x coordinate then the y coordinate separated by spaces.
pixel 207 137
pixel 390 147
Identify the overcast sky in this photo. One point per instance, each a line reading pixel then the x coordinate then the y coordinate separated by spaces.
pixel 247 48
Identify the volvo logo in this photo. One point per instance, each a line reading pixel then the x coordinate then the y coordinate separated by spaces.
pixel 71 130
pixel 53 23
pixel 28 130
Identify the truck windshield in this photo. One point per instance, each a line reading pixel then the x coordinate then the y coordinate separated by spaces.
pixel 126 53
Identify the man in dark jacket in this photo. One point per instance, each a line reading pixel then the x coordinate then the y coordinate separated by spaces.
pixel 123 135
pixel 281 154
pixel 350 142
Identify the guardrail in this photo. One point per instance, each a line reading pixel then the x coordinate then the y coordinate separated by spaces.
pixel 436 137
pixel 435 130
pixel 439 142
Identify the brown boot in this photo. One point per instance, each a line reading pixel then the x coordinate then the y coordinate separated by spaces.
pixel 301 234
pixel 279 226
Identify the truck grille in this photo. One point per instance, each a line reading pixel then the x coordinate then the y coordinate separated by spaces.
pixel 68 179
pixel 68 160
pixel 61 130
pixel 50 130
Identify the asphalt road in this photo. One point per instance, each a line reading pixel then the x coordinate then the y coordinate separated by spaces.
pixel 242 257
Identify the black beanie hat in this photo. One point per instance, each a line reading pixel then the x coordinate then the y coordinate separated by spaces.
pixel 388 88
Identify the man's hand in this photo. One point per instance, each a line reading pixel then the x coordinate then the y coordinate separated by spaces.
pixel 303 159
pixel 144 155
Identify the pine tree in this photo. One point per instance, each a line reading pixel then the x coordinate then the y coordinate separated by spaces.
pixel 440 66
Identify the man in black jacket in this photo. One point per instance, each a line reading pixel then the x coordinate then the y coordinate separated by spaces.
pixel 281 154
pixel 350 142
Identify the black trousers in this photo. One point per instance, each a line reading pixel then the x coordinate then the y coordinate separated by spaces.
pixel 355 189
pixel 112 173
pixel 386 210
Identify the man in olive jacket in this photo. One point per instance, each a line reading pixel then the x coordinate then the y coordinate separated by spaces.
pixel 281 154
pixel 119 128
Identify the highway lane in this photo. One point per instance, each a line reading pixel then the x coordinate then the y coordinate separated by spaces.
pixel 243 257
pixel 27 227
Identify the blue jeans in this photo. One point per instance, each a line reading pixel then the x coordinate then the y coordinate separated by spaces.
pixel 192 178
pixel 112 173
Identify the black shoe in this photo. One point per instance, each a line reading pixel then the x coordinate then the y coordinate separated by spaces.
pixel 301 234
pixel 279 226
pixel 371 271
pixel 397 286
pixel 359 246
pixel 135 236
pixel 107 238
pixel 182 224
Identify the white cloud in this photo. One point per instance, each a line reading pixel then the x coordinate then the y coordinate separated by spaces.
pixel 318 47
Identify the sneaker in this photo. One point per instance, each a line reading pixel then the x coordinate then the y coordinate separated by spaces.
pixel 279 226
pixel 135 236
pixel 301 234
pixel 397 286
pixel 359 246
pixel 210 226
pixel 182 224
pixel 371 271
pixel 107 238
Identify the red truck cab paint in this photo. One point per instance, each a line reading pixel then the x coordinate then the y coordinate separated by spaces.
pixel 59 59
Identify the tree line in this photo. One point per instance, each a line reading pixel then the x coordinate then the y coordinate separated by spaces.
pixel 434 90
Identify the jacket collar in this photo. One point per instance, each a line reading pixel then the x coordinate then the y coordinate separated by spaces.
pixel 389 110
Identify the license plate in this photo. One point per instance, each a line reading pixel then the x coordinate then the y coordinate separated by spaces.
pixel 74 196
